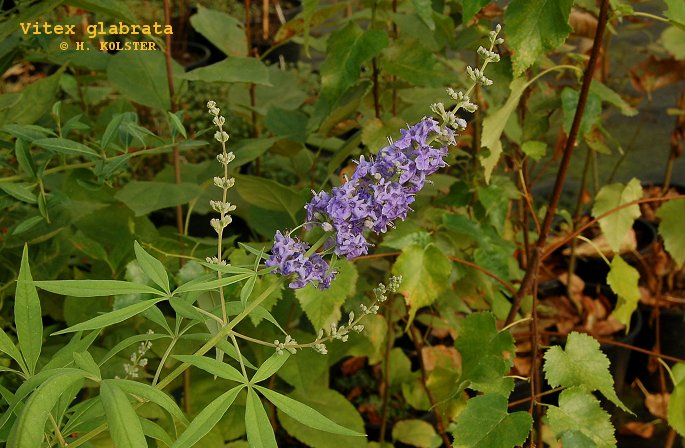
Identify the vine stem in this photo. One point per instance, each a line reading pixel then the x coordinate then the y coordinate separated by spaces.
pixel 534 263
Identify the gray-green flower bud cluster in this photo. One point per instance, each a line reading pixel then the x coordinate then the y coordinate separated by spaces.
pixel 223 207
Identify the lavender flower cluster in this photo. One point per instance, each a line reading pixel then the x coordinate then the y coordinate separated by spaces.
pixel 379 192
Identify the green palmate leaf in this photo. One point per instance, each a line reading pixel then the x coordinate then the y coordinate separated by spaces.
pixel 493 126
pixel 257 424
pixel 591 114
pixel 141 77
pixel 485 423
pixel 27 314
pixel 581 363
pixel 333 406
pixel 623 280
pixel 676 404
pixel 471 7
pixel 124 425
pixel 152 267
pixel 579 421
pixel 111 318
pixel 27 432
pixel 95 288
pixel 66 147
pixel 213 366
pixel 616 225
pixel 424 271
pixel 207 419
pixel 270 367
pixel 672 215
pixel 8 347
pixel 534 27
pixel 224 32
pixel 231 70
pixel 146 197
pixel 304 414
pixel 416 433
pixel 486 353
pixel 323 307
pixel 19 191
pixel 152 394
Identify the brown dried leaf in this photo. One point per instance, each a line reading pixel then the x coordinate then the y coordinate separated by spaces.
pixel 352 365
pixel 583 23
pixel 652 74
pixel 639 429
pixel 440 356
pixel 657 404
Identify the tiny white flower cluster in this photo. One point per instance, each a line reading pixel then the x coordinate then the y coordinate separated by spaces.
pixel 450 120
pixel 289 344
pixel 138 359
pixel 223 207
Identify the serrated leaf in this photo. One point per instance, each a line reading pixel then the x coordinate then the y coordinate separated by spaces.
pixel 152 267
pixel 675 11
pixel 534 27
pixel 623 280
pixel 534 149
pixel 333 406
pixel 257 424
pixel 111 318
pixel 581 363
pixel 591 113
pixel 124 425
pixel 409 60
pixel 305 414
pixel 486 353
pixel 213 366
pixel 672 215
pixel 269 194
pixel 323 307
pixel 207 419
pixel 579 421
pixel 27 314
pixel 153 395
pixel 471 7
pixel 416 433
pixel 676 404
pixel 493 126
pixel 485 423
pixel 424 271
pixel 616 225
pixel 28 429
pixel 66 147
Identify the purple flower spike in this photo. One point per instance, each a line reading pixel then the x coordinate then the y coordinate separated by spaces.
pixel 379 192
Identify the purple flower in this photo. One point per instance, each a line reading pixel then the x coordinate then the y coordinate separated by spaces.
pixel 379 192
pixel 288 256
